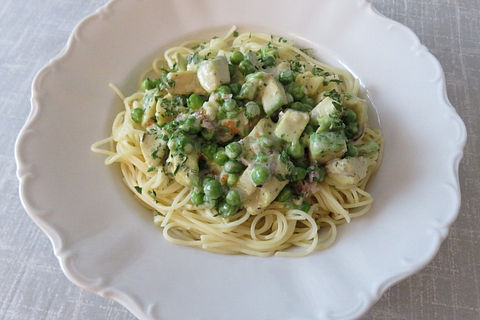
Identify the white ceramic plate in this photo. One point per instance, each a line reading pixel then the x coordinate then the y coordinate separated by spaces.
pixel 106 241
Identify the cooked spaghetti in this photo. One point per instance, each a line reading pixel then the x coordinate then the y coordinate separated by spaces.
pixel 246 144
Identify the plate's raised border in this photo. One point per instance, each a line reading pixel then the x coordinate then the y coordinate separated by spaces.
pixel 25 173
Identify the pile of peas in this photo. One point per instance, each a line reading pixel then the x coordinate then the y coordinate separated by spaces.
pixel 188 136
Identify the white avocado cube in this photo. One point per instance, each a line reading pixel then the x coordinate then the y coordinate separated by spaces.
pixel 264 127
pixel 186 82
pixel 273 97
pixel 324 108
pixel 326 146
pixel 291 125
pixel 213 73
pixel 348 171
pixel 154 148
pixel 245 182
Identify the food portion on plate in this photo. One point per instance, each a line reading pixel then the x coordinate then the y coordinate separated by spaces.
pixel 246 144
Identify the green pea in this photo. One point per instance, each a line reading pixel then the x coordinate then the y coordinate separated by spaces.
pixel 230 105
pixel 231 70
pixel 261 157
pixel 236 57
pixel 233 166
pixel 197 198
pixel 233 198
pixel 195 101
pixel 223 89
pixel 351 130
pixel 352 150
pixel 220 157
pixel 208 134
pixel 265 142
pixel 213 189
pixel 268 61
pixel 209 150
pixel 286 76
pixel 296 91
pixel 205 181
pixel 309 101
pixel 147 84
pixel 259 175
pixel 298 174
pixel 235 88
pixel 252 110
pixel 233 150
pixel 246 67
pixel 232 179
pixel 296 150
pixel 284 195
pixel 299 106
pixel 349 115
pixel 137 114
pixel 227 210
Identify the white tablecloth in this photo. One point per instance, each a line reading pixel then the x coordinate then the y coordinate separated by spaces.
pixel 32 285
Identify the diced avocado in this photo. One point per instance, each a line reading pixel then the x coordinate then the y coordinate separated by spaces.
pixel 273 96
pixel 264 127
pixel 359 106
pixel 154 148
pixel 310 82
pixel 270 191
pixel 186 82
pixel 329 83
pixel 249 89
pixel 291 125
pixel 245 183
pixel 162 115
pixel 210 109
pixel 326 146
pixel 348 171
pixel 252 57
pixel 182 167
pixel 181 62
pixel 213 73
pixel 188 170
pixel 324 108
